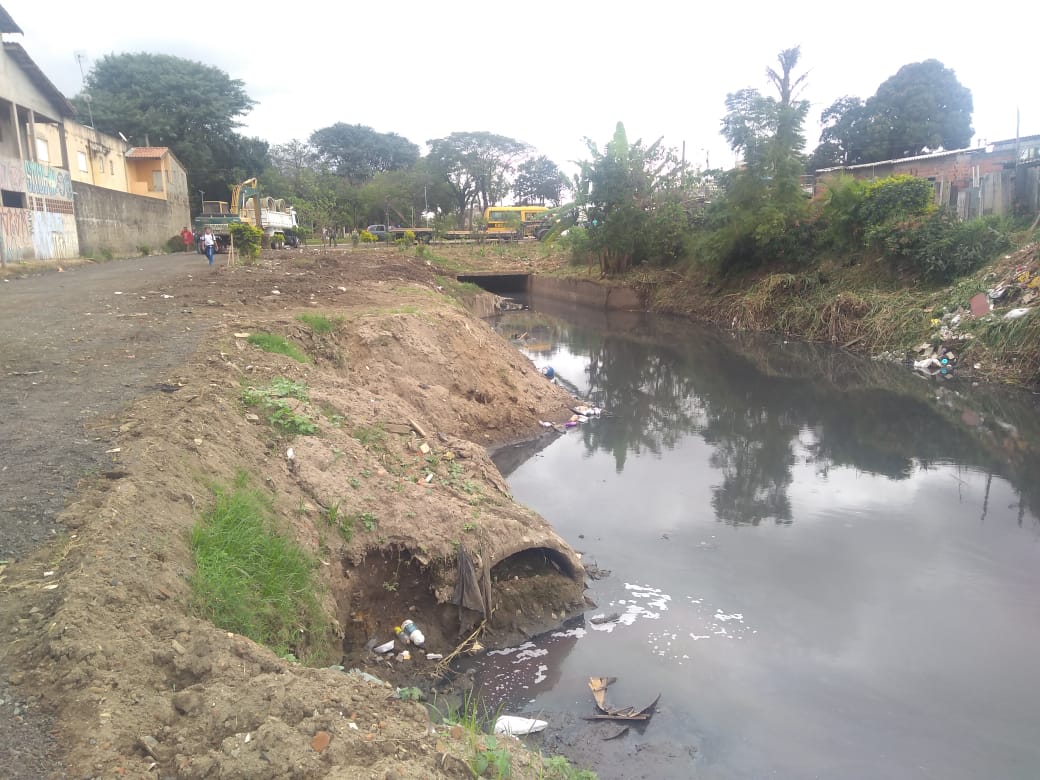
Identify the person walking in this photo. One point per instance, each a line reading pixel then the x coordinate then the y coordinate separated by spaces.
pixel 209 244
pixel 187 238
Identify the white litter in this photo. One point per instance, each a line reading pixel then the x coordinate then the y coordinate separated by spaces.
pixel 513 725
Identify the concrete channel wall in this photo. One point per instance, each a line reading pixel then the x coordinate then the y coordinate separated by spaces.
pixel 584 293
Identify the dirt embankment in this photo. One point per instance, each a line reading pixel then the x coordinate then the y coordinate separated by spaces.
pixel 406 393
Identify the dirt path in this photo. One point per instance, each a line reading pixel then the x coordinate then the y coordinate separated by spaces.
pixel 121 398
pixel 73 354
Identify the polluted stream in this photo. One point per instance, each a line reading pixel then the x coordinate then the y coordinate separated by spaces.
pixel 825 566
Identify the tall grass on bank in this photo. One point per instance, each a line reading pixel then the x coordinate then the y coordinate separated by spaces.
pixel 252 579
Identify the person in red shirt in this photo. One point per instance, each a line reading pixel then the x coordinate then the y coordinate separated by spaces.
pixel 188 238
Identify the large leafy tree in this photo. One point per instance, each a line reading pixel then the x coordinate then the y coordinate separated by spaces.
pixel 477 166
pixel 922 108
pixel 358 153
pixel 190 107
pixel 539 181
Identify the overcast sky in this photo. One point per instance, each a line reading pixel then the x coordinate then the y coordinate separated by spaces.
pixel 549 74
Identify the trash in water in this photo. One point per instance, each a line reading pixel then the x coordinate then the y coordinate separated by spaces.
pixel 601 619
pixel 547 372
pixel 513 725
pixel 621 733
pixel 598 685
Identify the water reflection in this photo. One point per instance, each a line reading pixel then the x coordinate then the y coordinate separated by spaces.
pixel 828 566
pixel 765 405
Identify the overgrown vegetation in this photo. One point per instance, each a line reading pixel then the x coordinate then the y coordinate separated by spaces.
pixel 252 578
pixel 271 342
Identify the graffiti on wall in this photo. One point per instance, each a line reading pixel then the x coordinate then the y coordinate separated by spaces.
pixel 53 235
pixel 12 174
pixel 46 230
pixel 50 182
pixel 15 235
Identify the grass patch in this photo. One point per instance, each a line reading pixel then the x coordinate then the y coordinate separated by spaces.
pixel 273 399
pixel 253 579
pixel 371 437
pixel 279 345
pixel 320 323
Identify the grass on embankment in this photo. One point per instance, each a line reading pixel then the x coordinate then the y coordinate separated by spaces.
pixel 279 345
pixel 253 579
pixel 864 307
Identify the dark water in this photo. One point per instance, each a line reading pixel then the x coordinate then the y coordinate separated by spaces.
pixel 828 567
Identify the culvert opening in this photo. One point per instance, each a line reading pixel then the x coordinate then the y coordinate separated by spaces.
pixel 500 284
pixel 532 591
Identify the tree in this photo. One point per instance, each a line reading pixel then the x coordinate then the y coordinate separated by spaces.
pixel 921 108
pixel 539 181
pixel 764 199
pixel 626 193
pixel 477 166
pixel 185 105
pixel 358 153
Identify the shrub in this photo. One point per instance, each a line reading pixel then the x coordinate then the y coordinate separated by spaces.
pixel 248 240
pixel 894 198
pixel 941 247
pixel 575 241
pixel 144 250
pixel 174 245
pixel 367 238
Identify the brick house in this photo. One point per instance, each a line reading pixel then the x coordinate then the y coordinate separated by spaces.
pixel 1000 178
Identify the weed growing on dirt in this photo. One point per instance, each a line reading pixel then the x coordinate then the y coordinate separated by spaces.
pixel 279 345
pixel 253 579
pixel 320 323
pixel 370 437
pixel 272 399
pixel 559 768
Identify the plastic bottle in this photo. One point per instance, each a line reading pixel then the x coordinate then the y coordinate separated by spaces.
pixel 412 634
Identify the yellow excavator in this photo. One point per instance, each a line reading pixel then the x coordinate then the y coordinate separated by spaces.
pixel 272 215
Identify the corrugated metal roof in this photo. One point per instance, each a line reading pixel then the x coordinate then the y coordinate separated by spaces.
pixel 7 24
pixel 930 156
pixel 39 80
pixel 148 152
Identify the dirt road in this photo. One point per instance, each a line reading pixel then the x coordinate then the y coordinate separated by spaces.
pixel 75 350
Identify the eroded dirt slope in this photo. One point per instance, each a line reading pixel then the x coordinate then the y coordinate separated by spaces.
pixel 405 393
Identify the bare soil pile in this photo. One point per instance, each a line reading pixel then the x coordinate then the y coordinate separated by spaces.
pixel 406 392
